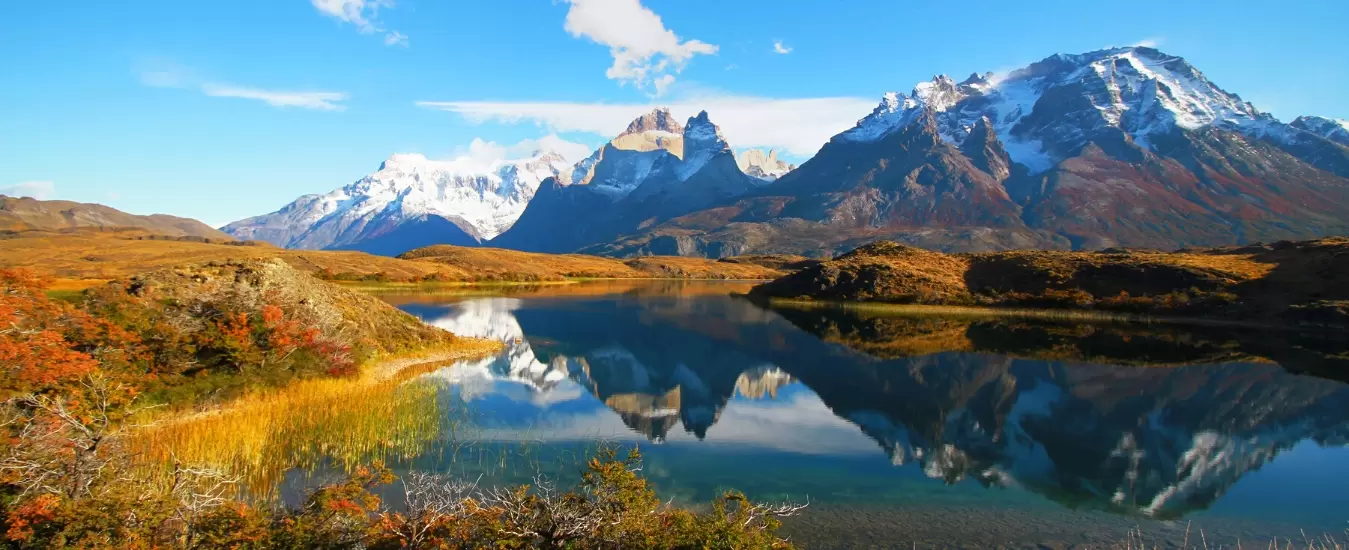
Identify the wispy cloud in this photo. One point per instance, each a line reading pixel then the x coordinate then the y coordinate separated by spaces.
pixel 396 38
pixel 1152 42
pixel 322 101
pixel 362 14
pixel 779 47
pixel 800 126
pixel 169 75
pixel 40 190
pixel 570 150
pixel 644 51
pixel 482 156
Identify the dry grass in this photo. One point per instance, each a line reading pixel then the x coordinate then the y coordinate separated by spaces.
pixel 1284 282
pixel 26 214
pixel 84 258
pixel 406 293
pixel 881 271
pixel 495 264
pixel 351 420
pixel 355 318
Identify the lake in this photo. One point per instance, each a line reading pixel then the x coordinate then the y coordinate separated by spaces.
pixel 899 429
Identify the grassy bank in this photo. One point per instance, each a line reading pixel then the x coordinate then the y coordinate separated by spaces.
pixel 353 421
pixel 1299 283
pixel 992 312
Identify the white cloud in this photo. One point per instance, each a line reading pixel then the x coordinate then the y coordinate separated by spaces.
pixel 779 47
pixel 479 156
pixel 396 38
pixel 363 14
pixel 1149 42
pixel 800 126
pixel 40 190
pixel 644 51
pixel 663 83
pixel 482 155
pixel 569 150
pixel 323 101
pixel 169 75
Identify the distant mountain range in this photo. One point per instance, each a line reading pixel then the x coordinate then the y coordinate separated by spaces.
pixel 28 214
pixel 409 202
pixel 1117 147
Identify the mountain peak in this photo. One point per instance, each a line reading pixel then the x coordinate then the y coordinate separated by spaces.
pixel 546 155
pixel 1335 130
pixel 403 160
pixel 1052 108
pixel 659 119
pixel 763 165
pixel 700 134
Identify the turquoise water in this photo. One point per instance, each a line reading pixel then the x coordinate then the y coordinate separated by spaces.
pixel 902 431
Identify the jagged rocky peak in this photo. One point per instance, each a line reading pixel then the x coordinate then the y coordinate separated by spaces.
pixel 939 94
pixel 653 131
pixel 1332 129
pixel 985 151
pixel 763 165
pixel 659 119
pixel 976 79
pixel 700 134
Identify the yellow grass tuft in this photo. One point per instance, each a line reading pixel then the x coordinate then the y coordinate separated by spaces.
pixel 350 421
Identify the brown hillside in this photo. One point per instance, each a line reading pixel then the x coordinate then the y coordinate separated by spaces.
pixel 491 264
pixel 94 255
pixel 344 315
pixel 1301 281
pixel 24 214
pixel 82 257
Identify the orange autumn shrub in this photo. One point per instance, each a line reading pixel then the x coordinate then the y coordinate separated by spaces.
pixel 45 344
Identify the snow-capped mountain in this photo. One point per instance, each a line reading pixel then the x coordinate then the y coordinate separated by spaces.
pixel 648 173
pixel 410 201
pixel 1049 110
pixel 1335 130
pixel 763 165
pixel 1123 146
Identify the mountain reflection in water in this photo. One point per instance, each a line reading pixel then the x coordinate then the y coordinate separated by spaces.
pixel 1154 421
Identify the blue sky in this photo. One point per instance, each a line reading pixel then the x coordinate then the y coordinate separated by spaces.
pixel 222 110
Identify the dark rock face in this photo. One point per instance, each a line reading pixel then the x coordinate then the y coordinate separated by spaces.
pixel 559 219
pixel 411 234
pixel 633 190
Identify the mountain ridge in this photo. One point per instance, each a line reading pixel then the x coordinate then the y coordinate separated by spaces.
pixel 626 189
pixel 1117 147
pixel 27 214
pixel 409 202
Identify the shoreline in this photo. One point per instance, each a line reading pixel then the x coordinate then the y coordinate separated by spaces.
pixel 1081 315
pixel 374 372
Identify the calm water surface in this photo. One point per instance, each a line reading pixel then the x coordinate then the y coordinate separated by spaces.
pixel 903 430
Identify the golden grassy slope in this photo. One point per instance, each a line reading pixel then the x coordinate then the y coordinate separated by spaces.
pixel 78 259
pixel 354 318
pixel 495 264
pixel 88 256
pixel 23 214
pixel 1303 281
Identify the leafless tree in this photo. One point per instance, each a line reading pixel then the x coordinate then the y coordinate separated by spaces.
pixel 63 449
